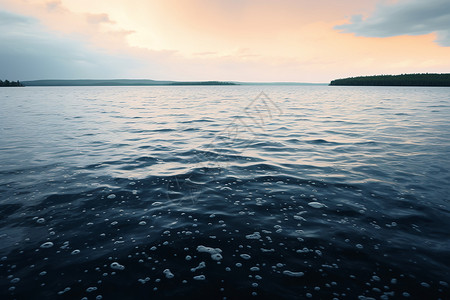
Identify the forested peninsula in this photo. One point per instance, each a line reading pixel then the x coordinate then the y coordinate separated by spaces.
pixel 10 83
pixel 426 79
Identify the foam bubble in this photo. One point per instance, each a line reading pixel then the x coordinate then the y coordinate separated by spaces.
pixel 214 252
pixel 116 266
pixel 254 236
pixel 316 204
pixel 293 274
pixel 168 274
pixel 47 245
pixel 64 291
pixel 201 265
pixel 245 256
pixel 15 280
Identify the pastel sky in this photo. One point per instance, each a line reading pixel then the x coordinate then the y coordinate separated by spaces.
pixel 238 40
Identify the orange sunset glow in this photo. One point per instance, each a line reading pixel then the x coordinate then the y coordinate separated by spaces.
pixel 299 41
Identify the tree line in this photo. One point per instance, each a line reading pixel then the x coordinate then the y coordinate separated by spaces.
pixel 424 79
pixel 10 83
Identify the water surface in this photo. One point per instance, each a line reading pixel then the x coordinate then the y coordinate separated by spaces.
pixel 224 192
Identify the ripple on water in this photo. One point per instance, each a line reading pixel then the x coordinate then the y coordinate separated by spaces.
pixel 343 195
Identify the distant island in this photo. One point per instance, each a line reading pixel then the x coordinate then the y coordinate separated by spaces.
pixel 426 79
pixel 119 82
pixel 10 83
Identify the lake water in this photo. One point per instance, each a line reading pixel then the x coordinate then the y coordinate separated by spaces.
pixel 224 192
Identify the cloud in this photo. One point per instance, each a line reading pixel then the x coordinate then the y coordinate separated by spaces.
pixel 30 48
pixel 52 5
pixel 99 18
pixel 414 17
pixel 175 40
pixel 205 53
pixel 7 19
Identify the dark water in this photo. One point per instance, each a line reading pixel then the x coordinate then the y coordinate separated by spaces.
pixel 222 192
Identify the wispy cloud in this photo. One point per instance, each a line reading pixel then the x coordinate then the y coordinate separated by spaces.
pixel 30 48
pixel 99 18
pixel 7 19
pixel 267 40
pixel 413 17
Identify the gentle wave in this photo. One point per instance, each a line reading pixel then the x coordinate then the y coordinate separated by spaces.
pixel 133 193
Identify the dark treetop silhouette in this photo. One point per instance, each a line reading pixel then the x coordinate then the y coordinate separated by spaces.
pixel 10 83
pixel 397 80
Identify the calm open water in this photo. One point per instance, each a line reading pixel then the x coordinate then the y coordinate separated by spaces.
pixel 223 192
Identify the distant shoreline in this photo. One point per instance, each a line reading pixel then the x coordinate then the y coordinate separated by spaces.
pixel 148 82
pixel 119 82
pixel 426 79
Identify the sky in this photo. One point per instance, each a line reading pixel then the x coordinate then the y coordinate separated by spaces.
pixel 228 40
